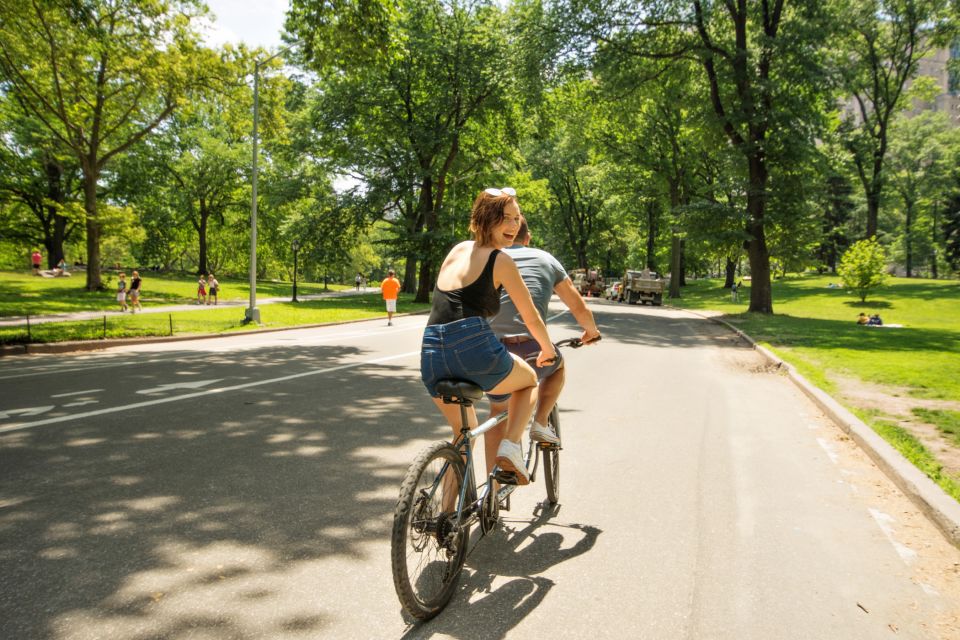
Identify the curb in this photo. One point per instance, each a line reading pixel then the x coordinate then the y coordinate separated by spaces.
pixel 97 345
pixel 933 501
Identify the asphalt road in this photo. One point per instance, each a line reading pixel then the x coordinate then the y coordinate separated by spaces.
pixel 243 488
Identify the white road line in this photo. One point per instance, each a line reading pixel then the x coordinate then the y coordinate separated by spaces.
pixel 187 396
pixel 75 393
pixel 826 446
pixel 885 521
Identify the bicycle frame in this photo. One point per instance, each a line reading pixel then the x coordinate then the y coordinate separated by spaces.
pixel 469 504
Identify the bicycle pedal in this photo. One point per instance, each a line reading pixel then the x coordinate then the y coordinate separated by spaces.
pixel 505 477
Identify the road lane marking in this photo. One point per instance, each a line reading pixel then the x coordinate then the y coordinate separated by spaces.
pixel 75 393
pixel 29 411
pixel 205 392
pixel 826 446
pixel 885 522
pixel 178 385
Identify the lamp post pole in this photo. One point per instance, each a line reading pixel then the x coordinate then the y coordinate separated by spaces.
pixel 252 314
pixel 296 246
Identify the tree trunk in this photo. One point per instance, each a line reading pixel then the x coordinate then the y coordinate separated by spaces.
pixel 729 270
pixel 675 266
pixel 410 274
pixel 430 218
pixel 908 238
pixel 202 240
pixel 873 209
pixel 93 229
pixel 55 194
pixel 933 241
pixel 652 225
pixel 761 298
pixel 683 262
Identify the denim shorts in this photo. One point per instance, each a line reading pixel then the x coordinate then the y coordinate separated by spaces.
pixel 463 350
pixel 526 350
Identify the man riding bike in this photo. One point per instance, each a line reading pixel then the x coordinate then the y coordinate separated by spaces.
pixel 544 275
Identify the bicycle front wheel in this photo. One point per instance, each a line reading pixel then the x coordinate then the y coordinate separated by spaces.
pixel 428 545
pixel 551 460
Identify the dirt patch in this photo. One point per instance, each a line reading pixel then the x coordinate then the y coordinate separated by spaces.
pixel 895 404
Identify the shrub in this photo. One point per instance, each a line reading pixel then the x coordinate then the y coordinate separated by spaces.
pixel 862 267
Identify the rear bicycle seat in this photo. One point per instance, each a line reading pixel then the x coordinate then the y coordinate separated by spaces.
pixel 459 392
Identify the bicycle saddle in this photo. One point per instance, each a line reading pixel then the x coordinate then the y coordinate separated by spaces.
pixel 459 391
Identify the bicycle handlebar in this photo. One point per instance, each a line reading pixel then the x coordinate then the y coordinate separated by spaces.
pixel 573 343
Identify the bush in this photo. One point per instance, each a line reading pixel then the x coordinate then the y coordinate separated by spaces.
pixel 862 267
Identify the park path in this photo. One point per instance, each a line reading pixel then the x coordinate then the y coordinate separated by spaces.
pixel 10 321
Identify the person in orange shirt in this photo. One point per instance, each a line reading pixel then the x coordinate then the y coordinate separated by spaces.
pixel 390 287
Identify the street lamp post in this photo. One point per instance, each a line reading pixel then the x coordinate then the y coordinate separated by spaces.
pixel 252 314
pixel 296 246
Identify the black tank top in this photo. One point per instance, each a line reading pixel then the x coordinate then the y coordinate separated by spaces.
pixel 479 298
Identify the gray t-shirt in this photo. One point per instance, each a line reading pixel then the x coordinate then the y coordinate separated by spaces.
pixel 541 272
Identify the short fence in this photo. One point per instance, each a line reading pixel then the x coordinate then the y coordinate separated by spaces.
pixel 101 328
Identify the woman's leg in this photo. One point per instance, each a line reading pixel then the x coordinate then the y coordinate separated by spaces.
pixel 520 382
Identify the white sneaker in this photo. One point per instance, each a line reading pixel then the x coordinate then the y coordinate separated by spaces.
pixel 510 458
pixel 542 433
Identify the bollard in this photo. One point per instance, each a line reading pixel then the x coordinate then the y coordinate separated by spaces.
pixel 29 337
pixel 104 327
pixel 170 317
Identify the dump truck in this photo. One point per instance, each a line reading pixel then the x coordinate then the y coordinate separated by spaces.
pixel 641 286
pixel 589 282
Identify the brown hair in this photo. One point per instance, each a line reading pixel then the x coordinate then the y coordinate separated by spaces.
pixel 486 214
pixel 523 233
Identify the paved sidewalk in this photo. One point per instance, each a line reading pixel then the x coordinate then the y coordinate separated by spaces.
pixel 9 321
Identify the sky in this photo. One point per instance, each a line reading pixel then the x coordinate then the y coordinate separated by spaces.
pixel 256 22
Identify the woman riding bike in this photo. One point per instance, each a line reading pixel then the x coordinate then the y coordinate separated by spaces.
pixel 458 342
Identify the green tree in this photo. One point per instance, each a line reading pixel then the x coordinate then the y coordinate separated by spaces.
pixel 863 267
pixel 401 98
pixel 100 75
pixel 877 55
pixel 753 58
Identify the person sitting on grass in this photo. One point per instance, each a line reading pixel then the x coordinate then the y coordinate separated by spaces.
pixel 862 318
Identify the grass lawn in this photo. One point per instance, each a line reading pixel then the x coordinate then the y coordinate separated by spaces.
pixel 23 293
pixel 212 320
pixel 814 328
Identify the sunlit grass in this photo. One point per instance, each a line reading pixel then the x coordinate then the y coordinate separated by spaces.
pixel 815 328
pixel 211 320
pixel 22 293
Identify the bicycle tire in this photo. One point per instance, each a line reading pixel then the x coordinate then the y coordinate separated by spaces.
pixel 427 549
pixel 551 460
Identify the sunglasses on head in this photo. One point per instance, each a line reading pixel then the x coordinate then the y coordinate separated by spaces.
pixel 504 191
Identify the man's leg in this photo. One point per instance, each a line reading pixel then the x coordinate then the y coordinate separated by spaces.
pixel 550 388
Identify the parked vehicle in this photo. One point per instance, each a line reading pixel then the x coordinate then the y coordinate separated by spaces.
pixel 642 286
pixel 613 291
pixel 589 282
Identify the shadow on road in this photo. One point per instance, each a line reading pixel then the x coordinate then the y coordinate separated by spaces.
pixel 169 520
pixel 519 548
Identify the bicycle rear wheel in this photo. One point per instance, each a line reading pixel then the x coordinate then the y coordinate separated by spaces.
pixel 428 545
pixel 551 460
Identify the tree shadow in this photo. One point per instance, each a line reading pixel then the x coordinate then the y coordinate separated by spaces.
pixel 152 517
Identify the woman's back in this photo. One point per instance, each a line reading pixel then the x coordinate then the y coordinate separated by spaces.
pixel 463 266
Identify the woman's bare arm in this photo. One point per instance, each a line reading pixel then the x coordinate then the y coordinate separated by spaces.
pixel 505 272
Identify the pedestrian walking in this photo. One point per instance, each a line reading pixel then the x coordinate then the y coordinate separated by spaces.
pixel 122 291
pixel 134 293
pixel 359 280
pixel 201 290
pixel 389 288
pixel 37 259
pixel 213 289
